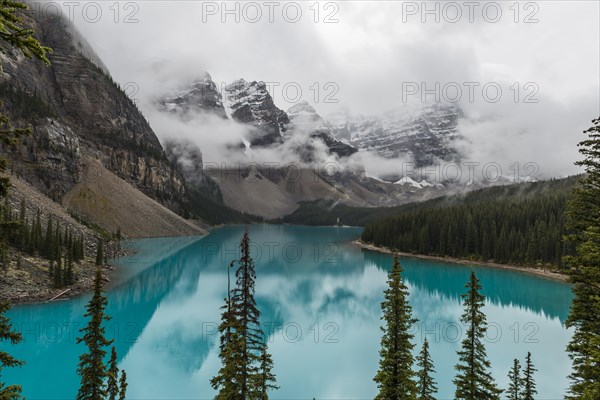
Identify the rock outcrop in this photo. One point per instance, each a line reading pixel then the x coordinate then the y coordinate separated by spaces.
pixel 76 109
pixel 250 103
pixel 425 133
pixel 202 96
pixel 304 119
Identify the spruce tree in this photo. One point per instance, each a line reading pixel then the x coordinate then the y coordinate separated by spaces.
pixel 246 371
pixel 473 380
pixel 58 274
pixel 48 239
pixel 528 382
pixel 123 386
pixel 8 392
pixel 69 274
pixel 583 227
pixel 37 234
pixel 227 381
pixel 112 385
pixel 91 367
pixel 100 253
pixel 119 237
pixel 515 386
pixel 266 378
pixel 22 210
pixel 81 248
pixel 426 386
pixel 395 377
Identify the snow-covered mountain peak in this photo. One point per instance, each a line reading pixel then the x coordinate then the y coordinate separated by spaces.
pixel 423 131
pixel 202 95
pixel 250 103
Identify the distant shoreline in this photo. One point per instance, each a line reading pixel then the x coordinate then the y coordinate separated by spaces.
pixel 544 273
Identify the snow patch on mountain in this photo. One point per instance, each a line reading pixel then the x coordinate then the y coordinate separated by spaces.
pixel 426 132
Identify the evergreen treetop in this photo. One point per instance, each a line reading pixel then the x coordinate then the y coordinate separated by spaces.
pixel 395 377
pixel 7 333
pixel 515 386
pixel 112 385
pixel 123 386
pixel 583 224
pixel 426 386
pixel 92 369
pixel 474 381
pixel 246 371
pixel 529 390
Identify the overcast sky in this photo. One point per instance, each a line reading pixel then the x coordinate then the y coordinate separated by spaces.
pixel 371 52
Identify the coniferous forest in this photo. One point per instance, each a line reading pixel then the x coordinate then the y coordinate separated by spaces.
pixel 386 317
pixel 516 225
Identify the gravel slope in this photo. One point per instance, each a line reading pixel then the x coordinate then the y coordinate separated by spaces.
pixel 110 203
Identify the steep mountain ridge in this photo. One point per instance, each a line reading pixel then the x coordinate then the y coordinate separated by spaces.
pixel 424 132
pixel 81 112
pixel 202 95
pixel 250 103
pixel 304 119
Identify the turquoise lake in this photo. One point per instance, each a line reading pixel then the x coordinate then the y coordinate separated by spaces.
pixel 320 300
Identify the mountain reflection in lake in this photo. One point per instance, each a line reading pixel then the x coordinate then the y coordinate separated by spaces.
pixel 320 301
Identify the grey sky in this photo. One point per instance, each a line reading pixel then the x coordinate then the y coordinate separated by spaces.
pixel 373 51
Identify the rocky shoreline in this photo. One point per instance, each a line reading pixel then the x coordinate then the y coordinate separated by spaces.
pixel 31 284
pixel 544 273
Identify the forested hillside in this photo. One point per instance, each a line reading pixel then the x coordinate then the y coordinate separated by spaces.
pixel 517 224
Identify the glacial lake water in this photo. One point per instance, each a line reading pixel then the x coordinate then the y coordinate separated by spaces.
pixel 320 301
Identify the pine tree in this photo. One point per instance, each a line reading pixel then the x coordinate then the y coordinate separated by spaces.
pixel 528 382
pixel 112 385
pixel 266 378
pixel 37 233
pixel 69 275
pixel 91 367
pixel 22 210
pixel 395 377
pixel 22 245
pixel 123 386
pixel 473 380
pixel 58 274
pixel 8 392
pixel 48 239
pixel 583 227
pixel 426 386
pixel 246 370
pixel 100 253
pixel 119 237
pixel 515 387
pixel 227 380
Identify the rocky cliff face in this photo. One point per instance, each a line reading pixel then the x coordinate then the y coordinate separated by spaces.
pixel 250 103
pixel 202 95
pixel 77 110
pixel 424 132
pixel 305 119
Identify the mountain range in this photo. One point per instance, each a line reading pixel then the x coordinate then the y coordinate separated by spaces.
pixel 89 139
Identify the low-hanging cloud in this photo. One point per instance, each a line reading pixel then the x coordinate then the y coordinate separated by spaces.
pixel 370 54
